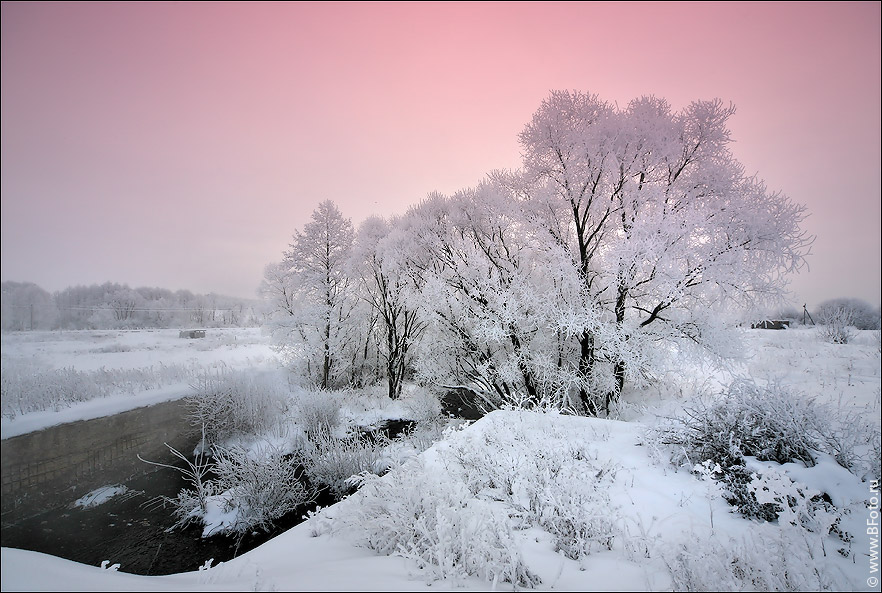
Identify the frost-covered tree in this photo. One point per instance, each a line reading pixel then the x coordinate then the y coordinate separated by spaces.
pixel 277 288
pixel 378 261
pixel 860 313
pixel 311 286
pixel 497 301
pixel 26 306
pixel 125 304
pixel 660 219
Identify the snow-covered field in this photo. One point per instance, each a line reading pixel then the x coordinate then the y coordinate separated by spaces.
pixel 551 502
pixel 129 368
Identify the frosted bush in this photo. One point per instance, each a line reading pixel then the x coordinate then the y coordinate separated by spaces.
pixel 422 405
pixel 573 505
pixel 190 504
pixel 259 486
pixel 767 560
pixel 249 490
pixel 234 403
pixel 187 507
pixel 558 488
pixel 853 440
pixel 795 504
pixel 424 434
pixel 838 325
pixel 330 462
pixel 789 556
pixel 860 314
pixel 331 456
pixel 416 513
pixel 771 423
pixel 317 413
pixel 467 511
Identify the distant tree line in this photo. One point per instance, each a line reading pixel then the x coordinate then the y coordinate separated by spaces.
pixel 26 306
pixel 856 312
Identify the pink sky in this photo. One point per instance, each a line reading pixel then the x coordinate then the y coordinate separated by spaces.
pixel 181 145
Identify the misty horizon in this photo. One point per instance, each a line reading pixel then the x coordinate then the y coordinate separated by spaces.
pixel 140 145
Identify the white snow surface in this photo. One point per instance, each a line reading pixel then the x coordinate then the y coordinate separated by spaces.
pixel 657 509
pixel 95 350
pixel 100 495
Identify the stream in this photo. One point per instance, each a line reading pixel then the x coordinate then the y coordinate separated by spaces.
pixel 131 529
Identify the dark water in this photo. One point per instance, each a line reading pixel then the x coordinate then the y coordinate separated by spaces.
pixel 131 529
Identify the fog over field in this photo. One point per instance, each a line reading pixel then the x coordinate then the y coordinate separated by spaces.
pixel 181 145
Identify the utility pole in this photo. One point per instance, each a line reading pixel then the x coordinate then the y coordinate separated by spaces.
pixel 804 313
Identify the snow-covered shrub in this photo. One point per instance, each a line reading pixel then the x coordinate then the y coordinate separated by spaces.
pixel 331 461
pixel 331 457
pixel 559 488
pixel 853 440
pixel 770 423
pixel 838 325
pixel 191 503
pixel 260 486
pixel 317 413
pixel 435 522
pixel 464 507
pixel 422 405
pixel 766 560
pixel 795 504
pixel 250 489
pixel 571 503
pixel 232 403
pixel 424 434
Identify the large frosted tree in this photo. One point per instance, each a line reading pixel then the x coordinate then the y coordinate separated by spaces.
pixel 660 219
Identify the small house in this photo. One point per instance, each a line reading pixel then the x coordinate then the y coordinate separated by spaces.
pixel 771 324
pixel 192 333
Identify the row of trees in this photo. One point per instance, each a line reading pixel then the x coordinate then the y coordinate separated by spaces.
pixel 625 231
pixel 26 306
pixel 858 313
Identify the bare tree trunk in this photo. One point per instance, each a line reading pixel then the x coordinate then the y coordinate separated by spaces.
pixel 526 373
pixel 326 363
pixel 619 366
pixel 393 366
pixel 586 368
